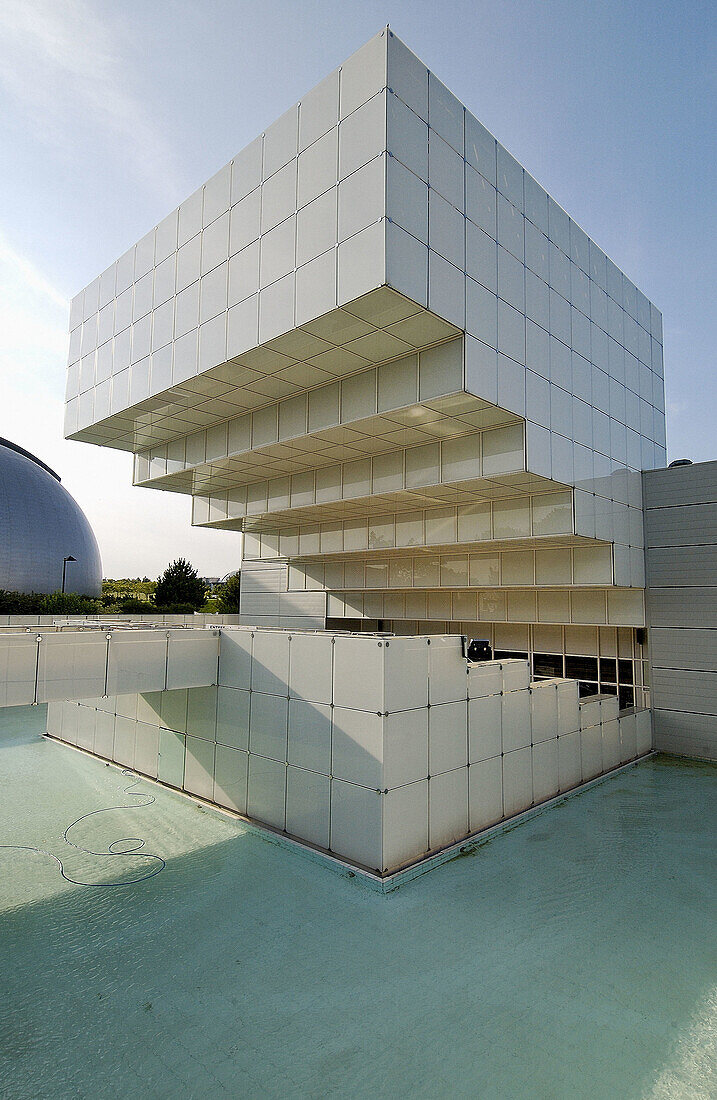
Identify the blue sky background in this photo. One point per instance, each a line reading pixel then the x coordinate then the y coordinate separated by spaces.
pixel 111 114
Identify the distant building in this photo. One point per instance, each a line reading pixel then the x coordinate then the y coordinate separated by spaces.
pixel 42 530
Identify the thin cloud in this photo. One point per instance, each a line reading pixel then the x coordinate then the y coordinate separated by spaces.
pixel 138 530
pixel 33 325
pixel 32 278
pixel 62 66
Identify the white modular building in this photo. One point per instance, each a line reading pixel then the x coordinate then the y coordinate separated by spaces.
pixel 375 345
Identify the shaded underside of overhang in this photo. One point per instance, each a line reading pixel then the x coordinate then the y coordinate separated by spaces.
pixel 458 549
pixel 375 328
pixel 445 417
pixel 471 491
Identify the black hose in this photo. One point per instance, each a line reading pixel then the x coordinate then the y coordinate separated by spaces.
pixel 111 850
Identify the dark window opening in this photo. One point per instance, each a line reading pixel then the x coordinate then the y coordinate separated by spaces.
pixel 581 668
pixel 625 672
pixel 547 664
pixel 608 670
pixel 627 697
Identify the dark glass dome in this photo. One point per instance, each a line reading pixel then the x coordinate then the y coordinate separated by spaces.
pixel 40 525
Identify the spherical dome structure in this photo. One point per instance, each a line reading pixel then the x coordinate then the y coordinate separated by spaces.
pixel 41 525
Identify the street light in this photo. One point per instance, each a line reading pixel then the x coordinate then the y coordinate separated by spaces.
pixel 64 568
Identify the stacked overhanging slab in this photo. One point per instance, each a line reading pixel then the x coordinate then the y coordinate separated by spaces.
pixel 375 345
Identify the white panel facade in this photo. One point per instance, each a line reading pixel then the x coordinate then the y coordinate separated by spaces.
pixel 381 751
pixel 375 345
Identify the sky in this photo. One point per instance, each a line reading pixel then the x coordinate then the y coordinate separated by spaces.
pixel 112 113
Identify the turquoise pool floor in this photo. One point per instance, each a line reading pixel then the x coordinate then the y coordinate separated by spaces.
pixel 575 956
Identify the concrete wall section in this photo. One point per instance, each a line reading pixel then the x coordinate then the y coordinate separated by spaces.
pixel 267 601
pixel 681 605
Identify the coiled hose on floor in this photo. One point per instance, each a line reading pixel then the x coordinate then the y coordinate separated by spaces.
pixel 112 850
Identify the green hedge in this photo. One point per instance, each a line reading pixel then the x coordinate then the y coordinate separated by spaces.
pixel 52 603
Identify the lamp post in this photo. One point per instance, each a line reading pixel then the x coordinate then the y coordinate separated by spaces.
pixel 64 569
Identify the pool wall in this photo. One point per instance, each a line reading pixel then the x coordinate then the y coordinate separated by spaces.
pixel 379 750
pixel 91 661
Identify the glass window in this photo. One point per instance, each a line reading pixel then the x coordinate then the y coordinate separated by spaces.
pixel 625 672
pixel 581 668
pixel 627 697
pixel 608 670
pixel 547 664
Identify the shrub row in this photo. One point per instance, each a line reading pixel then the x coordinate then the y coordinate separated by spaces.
pixel 72 603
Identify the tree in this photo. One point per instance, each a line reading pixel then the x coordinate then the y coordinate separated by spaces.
pixel 230 595
pixel 128 588
pixel 179 586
